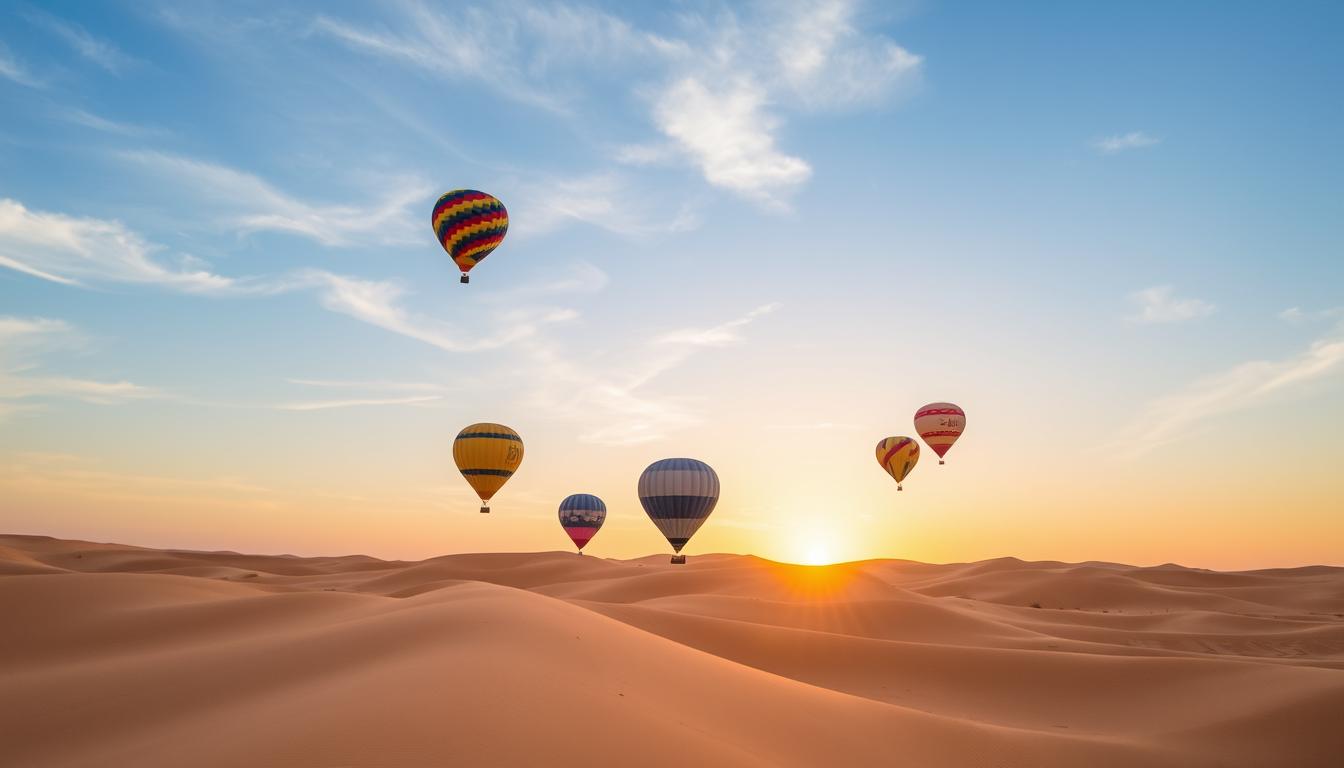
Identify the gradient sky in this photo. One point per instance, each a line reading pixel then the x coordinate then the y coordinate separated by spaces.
pixel 758 235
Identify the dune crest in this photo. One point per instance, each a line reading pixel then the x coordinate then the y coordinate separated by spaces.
pixel 119 655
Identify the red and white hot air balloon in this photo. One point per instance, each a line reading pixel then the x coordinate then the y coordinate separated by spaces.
pixel 939 425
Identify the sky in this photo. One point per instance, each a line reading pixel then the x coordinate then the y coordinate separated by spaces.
pixel 760 235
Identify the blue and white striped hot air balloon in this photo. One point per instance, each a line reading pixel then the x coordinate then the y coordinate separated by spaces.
pixel 678 495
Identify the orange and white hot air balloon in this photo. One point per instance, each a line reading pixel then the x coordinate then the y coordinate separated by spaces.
pixel 939 425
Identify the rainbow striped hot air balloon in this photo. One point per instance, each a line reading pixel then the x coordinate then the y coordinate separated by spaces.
pixel 581 515
pixel 898 455
pixel 487 455
pixel 678 495
pixel 939 425
pixel 469 225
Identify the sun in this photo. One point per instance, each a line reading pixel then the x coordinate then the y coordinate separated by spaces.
pixel 817 553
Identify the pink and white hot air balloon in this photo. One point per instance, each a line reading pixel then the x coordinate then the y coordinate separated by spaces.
pixel 939 425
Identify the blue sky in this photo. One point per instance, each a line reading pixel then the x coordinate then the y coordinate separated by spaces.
pixel 761 234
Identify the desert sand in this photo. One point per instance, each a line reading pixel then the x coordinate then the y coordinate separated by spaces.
pixel 115 655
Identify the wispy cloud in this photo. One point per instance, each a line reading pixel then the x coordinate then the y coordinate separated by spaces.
pixel 377 385
pixel 323 405
pixel 1243 386
pixel 1159 305
pixel 728 134
pixel 1111 145
pixel 602 200
pixel 613 403
pixel 380 303
pixel 814 426
pixel 715 93
pixel 22 342
pixel 721 110
pixel 68 250
pixel 721 335
pixel 75 251
pixel 13 70
pixel 248 203
pixel 99 51
pixel 826 60
pixel 97 123
pixel 514 49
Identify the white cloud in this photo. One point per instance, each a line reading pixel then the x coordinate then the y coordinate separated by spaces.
pixel 323 405
pixel 68 250
pixel 613 403
pixel 12 69
pixel 1159 305
pixel 99 51
pixel 97 123
pixel 22 341
pixel 602 200
pixel 1292 315
pixel 379 303
pixel 722 335
pixel 380 386
pixel 826 61
pixel 1110 145
pixel 646 154
pixel 721 107
pixel 579 277
pixel 716 93
pixel 729 135
pixel 1243 386
pixel 250 204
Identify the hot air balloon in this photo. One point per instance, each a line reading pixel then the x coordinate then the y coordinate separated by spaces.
pixel 898 455
pixel 581 516
pixel 469 225
pixel 678 495
pixel 487 455
pixel 940 424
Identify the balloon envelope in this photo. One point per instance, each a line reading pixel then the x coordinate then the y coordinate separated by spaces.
pixel 581 515
pixel 487 455
pixel 469 225
pixel 898 455
pixel 939 425
pixel 678 495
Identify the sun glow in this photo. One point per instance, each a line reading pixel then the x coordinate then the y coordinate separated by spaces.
pixel 815 545
pixel 817 554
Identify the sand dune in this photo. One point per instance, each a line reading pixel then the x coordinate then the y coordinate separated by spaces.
pixel 115 655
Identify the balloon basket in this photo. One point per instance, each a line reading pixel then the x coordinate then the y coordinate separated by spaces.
pixel 678 559
pixel 899 488
pixel 940 461
pixel 580 553
pixel 466 278
pixel 485 510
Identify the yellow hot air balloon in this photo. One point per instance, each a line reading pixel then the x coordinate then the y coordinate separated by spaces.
pixel 898 455
pixel 487 455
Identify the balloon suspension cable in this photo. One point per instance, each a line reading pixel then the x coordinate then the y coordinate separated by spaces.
pixel 485 509
pixel 466 278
